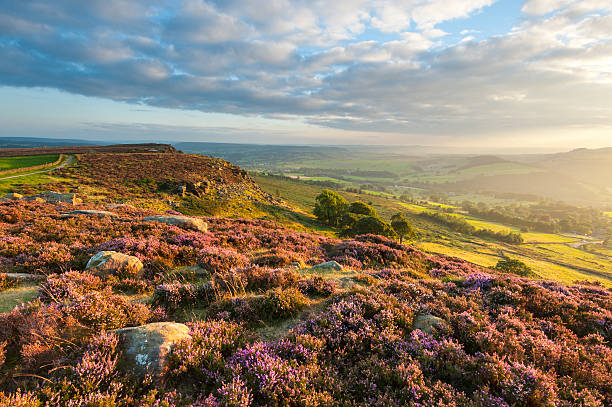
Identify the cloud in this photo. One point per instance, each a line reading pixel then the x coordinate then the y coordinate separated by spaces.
pixel 323 62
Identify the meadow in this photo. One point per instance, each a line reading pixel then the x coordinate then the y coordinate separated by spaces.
pixel 548 254
pixel 12 163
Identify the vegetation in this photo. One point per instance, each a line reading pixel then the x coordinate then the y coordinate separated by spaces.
pixel 330 207
pixel 13 163
pixel 395 326
pixel 402 227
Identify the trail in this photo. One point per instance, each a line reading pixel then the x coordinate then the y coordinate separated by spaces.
pixel 66 162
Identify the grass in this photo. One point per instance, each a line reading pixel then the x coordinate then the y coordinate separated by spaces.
pixel 10 298
pixel 15 184
pixel 549 255
pixel 608 214
pixel 11 163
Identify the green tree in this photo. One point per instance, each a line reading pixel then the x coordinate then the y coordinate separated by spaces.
pixel 362 208
pixel 330 207
pixel 402 227
pixel 373 225
pixel 514 266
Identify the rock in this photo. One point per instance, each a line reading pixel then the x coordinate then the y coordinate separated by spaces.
pixel 12 196
pixel 328 266
pixel 181 221
pixel 109 262
pixel 426 322
pixel 120 206
pixel 146 349
pixel 19 277
pixel 55 197
pixel 89 213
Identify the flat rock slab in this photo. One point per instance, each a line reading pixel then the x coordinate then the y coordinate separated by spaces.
pixel 13 196
pixel 88 212
pixel 146 349
pixel 114 263
pixel 180 221
pixel 328 266
pixel 426 322
pixel 23 277
pixel 55 197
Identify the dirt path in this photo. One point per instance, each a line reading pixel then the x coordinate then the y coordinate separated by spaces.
pixel 66 162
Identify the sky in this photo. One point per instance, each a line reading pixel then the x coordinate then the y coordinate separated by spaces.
pixel 535 74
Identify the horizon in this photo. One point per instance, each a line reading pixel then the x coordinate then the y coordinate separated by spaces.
pixel 480 75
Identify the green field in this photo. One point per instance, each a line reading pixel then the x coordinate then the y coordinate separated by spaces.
pixel 549 255
pixel 12 163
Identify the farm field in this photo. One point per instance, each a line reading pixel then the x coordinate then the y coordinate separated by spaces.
pixel 12 163
pixel 548 254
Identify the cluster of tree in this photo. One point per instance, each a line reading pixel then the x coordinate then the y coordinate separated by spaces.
pixel 514 266
pixel 339 172
pixel 462 226
pixel 546 217
pixel 324 184
pixel 358 218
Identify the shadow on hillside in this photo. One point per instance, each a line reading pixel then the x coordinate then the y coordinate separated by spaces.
pixel 286 215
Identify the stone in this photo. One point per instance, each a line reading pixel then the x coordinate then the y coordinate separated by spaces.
pixel 181 221
pixel 328 266
pixel 426 322
pixel 146 349
pixel 115 263
pixel 120 206
pixel 55 197
pixel 20 277
pixel 88 212
pixel 12 196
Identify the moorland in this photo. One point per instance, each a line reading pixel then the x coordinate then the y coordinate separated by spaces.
pixel 221 287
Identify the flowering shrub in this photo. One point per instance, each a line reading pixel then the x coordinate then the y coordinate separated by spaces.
pixel 461 336
pixel 317 286
pixel 282 303
pixel 5 283
pixel 68 286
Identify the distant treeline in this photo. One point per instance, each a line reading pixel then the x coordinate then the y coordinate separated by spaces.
pixel 546 217
pixel 324 184
pixel 338 172
pixel 462 226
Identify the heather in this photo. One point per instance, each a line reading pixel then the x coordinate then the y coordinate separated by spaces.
pixel 266 330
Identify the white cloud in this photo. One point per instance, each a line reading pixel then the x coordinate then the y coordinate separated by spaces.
pixel 314 60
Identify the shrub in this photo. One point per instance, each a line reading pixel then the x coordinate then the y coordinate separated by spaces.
pixel 514 266
pixel 5 283
pixel 317 286
pixel 330 207
pixel 282 303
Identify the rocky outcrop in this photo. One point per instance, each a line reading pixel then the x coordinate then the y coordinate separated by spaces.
pixel 12 196
pixel 426 322
pixel 146 349
pixel 55 197
pixel 185 222
pixel 23 277
pixel 328 266
pixel 114 263
pixel 88 212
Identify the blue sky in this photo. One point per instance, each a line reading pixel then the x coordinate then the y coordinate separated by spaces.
pixel 535 73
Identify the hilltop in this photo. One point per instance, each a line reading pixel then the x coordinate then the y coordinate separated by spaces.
pixel 150 279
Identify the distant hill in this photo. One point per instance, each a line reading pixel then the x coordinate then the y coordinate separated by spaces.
pixel 34 142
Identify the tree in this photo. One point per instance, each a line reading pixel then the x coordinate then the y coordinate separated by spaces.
pixel 362 208
pixel 330 207
pixel 373 225
pixel 514 266
pixel 402 227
